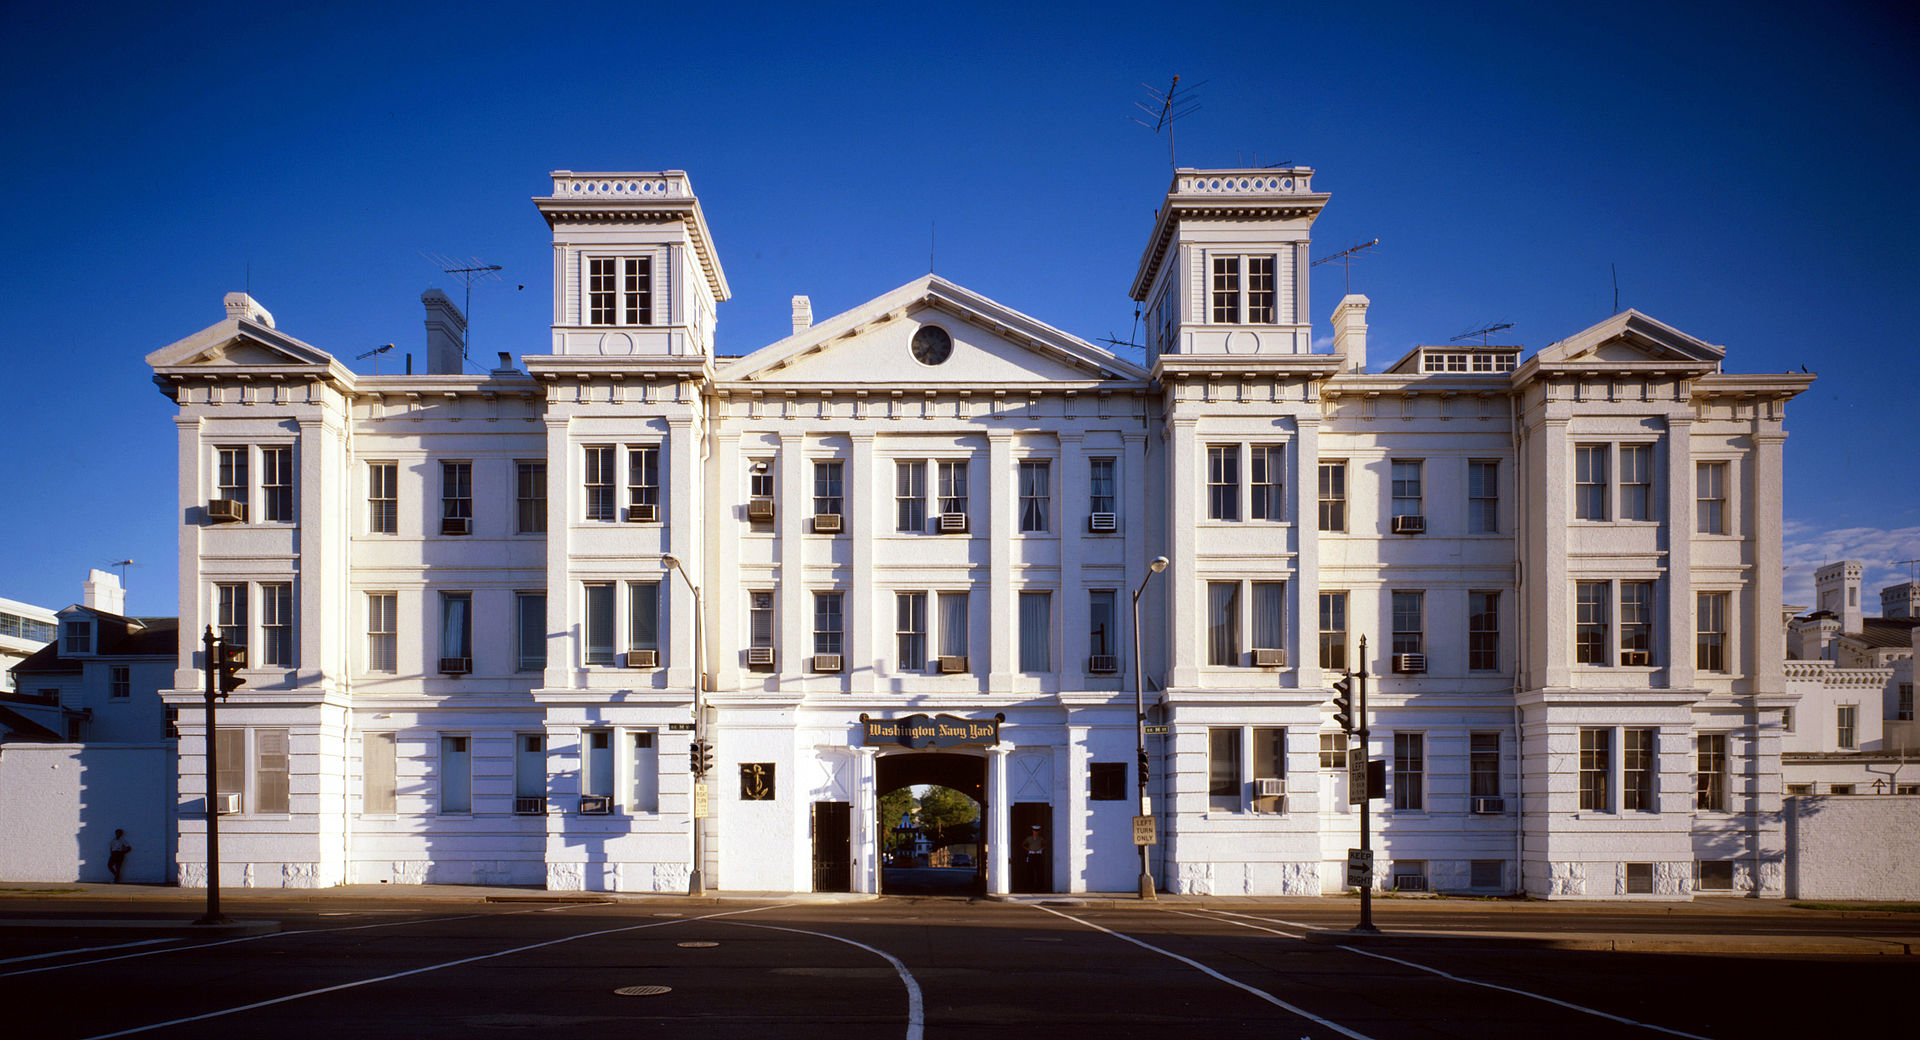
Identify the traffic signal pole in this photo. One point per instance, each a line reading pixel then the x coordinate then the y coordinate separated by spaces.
pixel 1366 827
pixel 211 643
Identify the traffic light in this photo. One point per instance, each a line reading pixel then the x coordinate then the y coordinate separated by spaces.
pixel 701 753
pixel 1144 770
pixel 232 659
pixel 1343 702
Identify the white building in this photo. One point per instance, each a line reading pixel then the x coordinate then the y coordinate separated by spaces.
pixel 475 638
pixel 24 629
pixel 1852 731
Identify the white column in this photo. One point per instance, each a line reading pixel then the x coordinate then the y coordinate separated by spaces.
pixel 866 842
pixel 1678 622
pixel 1070 524
pixel 685 543
pixel 867 615
pixel 1185 491
pixel 991 493
pixel 1303 621
pixel 793 491
pixel 999 807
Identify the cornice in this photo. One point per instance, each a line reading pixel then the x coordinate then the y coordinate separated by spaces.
pixel 1276 194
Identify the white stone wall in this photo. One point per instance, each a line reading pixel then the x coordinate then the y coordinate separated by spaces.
pixel 1853 848
pixel 64 801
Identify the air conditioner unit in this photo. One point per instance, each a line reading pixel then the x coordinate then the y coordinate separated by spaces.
pixel 227 804
pixel 1489 806
pixel 1636 657
pixel 952 665
pixel 759 655
pixel 456 525
pixel 1269 658
pixel 952 523
pixel 1103 522
pixel 1269 787
pixel 826 523
pixel 826 662
pixel 456 665
pixel 227 511
pixel 596 804
pixel 1101 664
pixel 534 806
pixel 644 513
pixel 643 659
pixel 760 509
pixel 1409 664
pixel 1409 525
pixel 1410 882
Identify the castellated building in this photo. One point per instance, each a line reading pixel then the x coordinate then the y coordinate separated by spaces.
pixel 495 622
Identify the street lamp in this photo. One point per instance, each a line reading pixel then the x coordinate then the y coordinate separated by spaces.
pixel 1140 726
pixel 696 877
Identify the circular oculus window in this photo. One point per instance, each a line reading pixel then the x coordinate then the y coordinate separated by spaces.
pixel 932 345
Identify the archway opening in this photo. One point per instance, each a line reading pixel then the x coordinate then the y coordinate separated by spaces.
pixel 932 824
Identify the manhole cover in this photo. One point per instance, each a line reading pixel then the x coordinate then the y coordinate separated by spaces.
pixel 643 991
pixel 696 945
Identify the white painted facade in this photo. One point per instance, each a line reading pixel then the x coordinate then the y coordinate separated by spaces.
pixel 1851 681
pixel 24 628
pixel 432 720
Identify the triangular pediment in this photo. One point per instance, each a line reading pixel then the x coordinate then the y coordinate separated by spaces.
pixel 238 343
pixel 1632 338
pixel 992 344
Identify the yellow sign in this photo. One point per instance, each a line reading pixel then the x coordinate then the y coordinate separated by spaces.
pixel 700 801
pixel 1143 831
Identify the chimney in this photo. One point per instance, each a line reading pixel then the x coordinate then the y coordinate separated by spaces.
pixel 240 305
pixel 446 334
pixel 802 314
pixel 1838 587
pixel 103 591
pixel 1350 331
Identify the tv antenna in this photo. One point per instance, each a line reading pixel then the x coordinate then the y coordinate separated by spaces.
pixel 374 353
pixel 467 271
pixel 1169 105
pixel 123 565
pixel 1912 566
pixel 1345 259
pixel 1483 333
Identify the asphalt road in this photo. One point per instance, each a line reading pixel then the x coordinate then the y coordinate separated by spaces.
pixel 942 967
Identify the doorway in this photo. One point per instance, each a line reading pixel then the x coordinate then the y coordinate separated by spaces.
pixel 932 823
pixel 832 847
pixel 1032 833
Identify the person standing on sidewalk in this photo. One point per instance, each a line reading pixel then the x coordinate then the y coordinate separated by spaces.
pixel 117 853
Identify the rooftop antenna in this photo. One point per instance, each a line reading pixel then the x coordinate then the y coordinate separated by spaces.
pixel 467 271
pixel 1345 259
pixel 374 353
pixel 1912 566
pixel 1483 333
pixel 123 565
pixel 1616 286
pixel 1168 105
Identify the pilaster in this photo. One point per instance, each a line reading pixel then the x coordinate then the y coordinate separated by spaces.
pixel 1678 516
pixel 1303 613
pixel 1003 661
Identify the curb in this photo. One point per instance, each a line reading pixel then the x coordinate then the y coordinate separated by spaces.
pixel 1759 945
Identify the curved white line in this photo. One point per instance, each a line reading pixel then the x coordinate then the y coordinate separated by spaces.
pixel 916 1008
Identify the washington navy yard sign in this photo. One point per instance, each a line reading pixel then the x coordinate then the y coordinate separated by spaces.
pixel 931 731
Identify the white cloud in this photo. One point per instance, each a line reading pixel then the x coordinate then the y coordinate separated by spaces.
pixel 1879 550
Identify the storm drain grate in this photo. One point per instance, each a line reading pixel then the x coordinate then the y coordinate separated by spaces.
pixel 696 944
pixel 643 991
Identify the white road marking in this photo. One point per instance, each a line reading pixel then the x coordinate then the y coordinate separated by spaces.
pixel 1255 990
pixel 415 971
pixel 1456 978
pixel 916 1008
pixel 87 949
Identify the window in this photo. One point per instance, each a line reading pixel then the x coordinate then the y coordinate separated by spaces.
pixel 1223 623
pixel 599 622
pixel 1636 482
pixel 231 613
pixel 1269 763
pixel 456 774
pixel 1483 496
pixel 79 639
pixel 1409 626
pixel 1036 631
pixel 1636 622
pixel 1102 623
pixel 1269 616
pixel 276 625
pixel 530 630
pixel 1590 623
pixel 1333 750
pixel 1223 769
pixel 1710 773
pixel 1333 496
pixel 1333 631
pixel 1903 703
pixel 232 473
pixel 1223 482
pixel 599 482
pixel 1596 769
pixel 1590 481
pixel 276 484
pixel 1715 875
pixel 643 476
pixel 230 764
pixel 645 797
pixel 1637 768
pixel 530 496
pixel 1106 781
pixel 1485 874
pixel 760 479
pixel 596 762
pixel 456 490
pixel 1260 297
pixel 910 630
pixel 1266 468
pixel 1226 290
pixel 620 290
pixel 1035 480
pixel 760 621
pixel 1483 631
pixel 530 772
pixel 1101 497
pixel 1710 641
pixel 1846 728
pixel 1409 771
pixel 1710 497
pixel 827 488
pixel 1840 789
pixel 120 683
pixel 1639 879
pixel 1250 301
pixel 827 623
pixel 1786 719
pixel 953 486
pixel 909 496
pixel 382 637
pixel 383 498
pixel 953 624
pixel 456 627
pixel 378 774
pixel 270 781
pixel 643 616
pixel 1406 487
pixel 1483 765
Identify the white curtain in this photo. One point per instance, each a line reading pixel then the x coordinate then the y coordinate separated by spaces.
pixel 453 626
pixel 1036 631
pixel 953 624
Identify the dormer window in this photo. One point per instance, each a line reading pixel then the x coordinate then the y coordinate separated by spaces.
pixel 79 638
pixel 620 290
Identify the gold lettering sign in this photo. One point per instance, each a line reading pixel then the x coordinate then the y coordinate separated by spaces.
pixel 922 732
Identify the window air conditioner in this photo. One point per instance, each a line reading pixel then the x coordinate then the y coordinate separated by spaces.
pixel 644 513
pixel 228 804
pixel 1269 658
pixel 952 665
pixel 760 509
pixel 952 523
pixel 534 806
pixel 1103 522
pixel 826 662
pixel 760 655
pixel 1409 664
pixel 826 523
pixel 456 525
pixel 1269 787
pixel 1409 525
pixel 456 665
pixel 227 511
pixel 596 804
pixel 1636 657
pixel 643 659
pixel 1489 806
pixel 1410 882
pixel 1101 664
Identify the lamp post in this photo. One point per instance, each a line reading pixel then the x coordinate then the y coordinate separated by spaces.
pixel 1140 724
pixel 696 877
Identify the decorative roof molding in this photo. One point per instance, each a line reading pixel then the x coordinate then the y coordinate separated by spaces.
pixel 665 195
pixel 1242 194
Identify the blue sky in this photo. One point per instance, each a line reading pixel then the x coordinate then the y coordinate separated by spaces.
pixel 1747 169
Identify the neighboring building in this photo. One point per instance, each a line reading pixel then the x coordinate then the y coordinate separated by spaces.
pixel 1851 679
pixel 474 633
pixel 99 680
pixel 24 629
